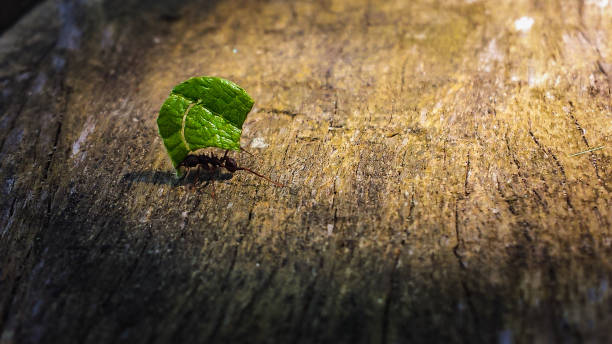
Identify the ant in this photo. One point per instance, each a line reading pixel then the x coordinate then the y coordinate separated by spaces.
pixel 212 163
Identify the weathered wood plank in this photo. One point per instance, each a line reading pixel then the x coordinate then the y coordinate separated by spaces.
pixel 426 144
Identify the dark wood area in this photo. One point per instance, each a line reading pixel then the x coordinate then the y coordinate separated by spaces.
pixel 11 11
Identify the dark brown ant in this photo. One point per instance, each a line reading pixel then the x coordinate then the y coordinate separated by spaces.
pixel 212 163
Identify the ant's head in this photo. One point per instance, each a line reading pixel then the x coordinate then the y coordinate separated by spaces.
pixel 190 161
pixel 231 165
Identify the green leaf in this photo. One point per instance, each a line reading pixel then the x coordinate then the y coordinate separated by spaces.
pixel 202 112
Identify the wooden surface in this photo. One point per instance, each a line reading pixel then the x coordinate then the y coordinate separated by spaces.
pixel 425 144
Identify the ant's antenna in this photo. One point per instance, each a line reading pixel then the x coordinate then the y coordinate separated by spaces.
pixel 246 151
pixel 261 176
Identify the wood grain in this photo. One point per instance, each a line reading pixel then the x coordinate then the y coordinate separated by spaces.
pixel 425 144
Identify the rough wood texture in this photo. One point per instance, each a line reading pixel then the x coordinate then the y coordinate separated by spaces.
pixel 426 147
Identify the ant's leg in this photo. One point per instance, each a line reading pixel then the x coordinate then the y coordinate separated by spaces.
pixel 193 184
pixel 211 178
pixel 197 179
pixel 213 174
pixel 212 181
pixel 184 177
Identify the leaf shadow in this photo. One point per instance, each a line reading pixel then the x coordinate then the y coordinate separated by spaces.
pixel 170 178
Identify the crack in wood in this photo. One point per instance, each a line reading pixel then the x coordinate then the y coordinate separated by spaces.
pixel 523 178
pixel 466 191
pixel 460 243
pixel 559 166
pixel 592 155
pixel 289 113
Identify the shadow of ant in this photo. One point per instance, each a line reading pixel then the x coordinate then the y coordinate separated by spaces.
pixel 170 178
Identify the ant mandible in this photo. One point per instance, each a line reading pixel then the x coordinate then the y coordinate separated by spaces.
pixel 212 163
